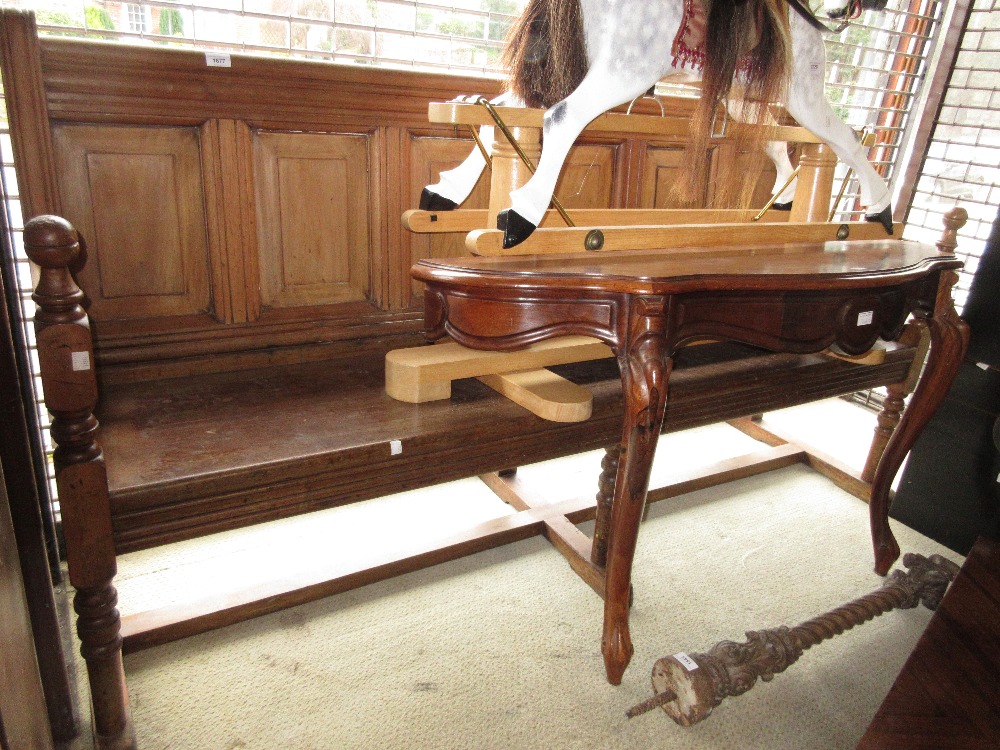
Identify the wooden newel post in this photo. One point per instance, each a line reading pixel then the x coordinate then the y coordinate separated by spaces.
pixel 66 358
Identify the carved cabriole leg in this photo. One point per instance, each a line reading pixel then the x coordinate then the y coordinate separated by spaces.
pixel 605 500
pixel 645 370
pixel 65 353
pixel 949 338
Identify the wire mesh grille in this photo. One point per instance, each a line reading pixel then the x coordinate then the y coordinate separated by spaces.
pixel 962 166
pixel 24 315
pixel 875 69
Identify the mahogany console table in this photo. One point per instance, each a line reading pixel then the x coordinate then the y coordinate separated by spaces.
pixel 794 297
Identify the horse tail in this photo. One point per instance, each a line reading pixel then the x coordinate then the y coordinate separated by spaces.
pixel 749 40
pixel 545 52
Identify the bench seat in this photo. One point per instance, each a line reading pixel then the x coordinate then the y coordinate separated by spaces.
pixel 192 456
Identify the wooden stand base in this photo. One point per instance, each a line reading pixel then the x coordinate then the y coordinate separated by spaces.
pixel 424 373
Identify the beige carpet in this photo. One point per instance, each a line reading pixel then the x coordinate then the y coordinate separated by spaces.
pixel 501 649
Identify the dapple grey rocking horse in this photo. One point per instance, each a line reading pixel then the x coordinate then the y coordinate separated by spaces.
pixel 580 58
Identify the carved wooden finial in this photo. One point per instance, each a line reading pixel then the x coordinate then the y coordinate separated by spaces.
pixel 54 245
pixel 51 241
pixel 953 221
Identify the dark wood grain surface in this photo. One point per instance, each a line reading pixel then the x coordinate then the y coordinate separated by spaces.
pixel 947 697
pixel 832 264
pixel 180 462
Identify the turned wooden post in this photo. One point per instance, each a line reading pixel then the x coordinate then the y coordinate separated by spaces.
pixel 689 686
pixel 509 172
pixel 66 359
pixel 915 335
pixel 815 184
pixel 605 499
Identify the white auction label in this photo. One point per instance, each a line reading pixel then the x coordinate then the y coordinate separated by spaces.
pixel 218 60
pixel 686 661
pixel 866 318
pixel 80 361
pixel 395 447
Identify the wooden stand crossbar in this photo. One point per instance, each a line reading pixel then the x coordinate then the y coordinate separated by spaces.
pixel 712 238
pixel 470 219
pixel 669 127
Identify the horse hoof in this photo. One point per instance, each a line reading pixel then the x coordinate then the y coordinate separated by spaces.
pixel 516 229
pixel 431 201
pixel 787 206
pixel 883 217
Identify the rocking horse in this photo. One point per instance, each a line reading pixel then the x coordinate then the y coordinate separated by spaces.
pixel 580 58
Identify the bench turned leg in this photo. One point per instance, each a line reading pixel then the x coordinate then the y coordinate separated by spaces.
pixel 66 362
pixel 99 628
pixel 605 499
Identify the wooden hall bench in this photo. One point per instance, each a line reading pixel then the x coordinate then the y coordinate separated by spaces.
pixel 220 380
pixel 184 457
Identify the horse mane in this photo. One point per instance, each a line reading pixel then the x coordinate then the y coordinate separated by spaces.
pixel 545 52
pixel 749 39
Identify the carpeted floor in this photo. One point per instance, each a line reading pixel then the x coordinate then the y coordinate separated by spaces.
pixel 502 649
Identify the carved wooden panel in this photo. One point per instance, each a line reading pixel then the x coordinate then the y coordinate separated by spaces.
pixel 663 168
pixel 661 172
pixel 135 193
pixel 314 206
pixel 587 177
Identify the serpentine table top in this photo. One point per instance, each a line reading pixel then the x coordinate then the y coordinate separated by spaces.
pixel 789 297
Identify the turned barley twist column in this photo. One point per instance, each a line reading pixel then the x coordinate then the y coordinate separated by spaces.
pixel 690 686
pixel 605 499
pixel 66 359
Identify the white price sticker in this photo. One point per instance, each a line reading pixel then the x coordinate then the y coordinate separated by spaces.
pixel 80 361
pixel 395 447
pixel 686 661
pixel 866 318
pixel 218 60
